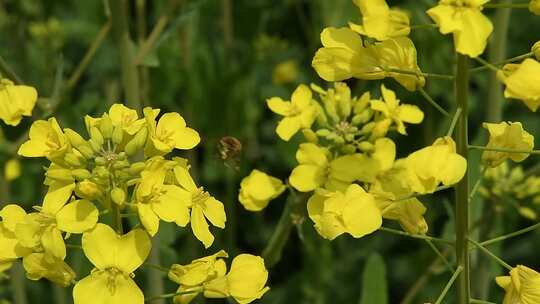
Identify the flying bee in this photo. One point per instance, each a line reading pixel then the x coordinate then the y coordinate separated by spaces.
pixel 230 150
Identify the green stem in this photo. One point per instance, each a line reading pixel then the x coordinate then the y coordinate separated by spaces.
pixel 416 236
pixel 169 295
pixel 130 76
pixel 476 301
pixel 116 219
pixel 429 75
pixel 424 26
pixel 408 197
pixel 81 67
pixel 487 64
pixel 6 69
pixel 273 250
pixel 462 188
pixel 455 119
pixel 156 267
pixel 507 5
pixel 477 184
pixel 440 255
pixel 510 235
pixel 503 150
pixel 433 102
pixel 449 284
pixel 491 254
pixel 509 60
pixel 18 284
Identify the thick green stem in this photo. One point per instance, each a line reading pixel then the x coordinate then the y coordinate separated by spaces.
pixel 462 188
pixel 130 75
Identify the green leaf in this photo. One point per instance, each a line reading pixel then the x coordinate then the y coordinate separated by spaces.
pixel 374 284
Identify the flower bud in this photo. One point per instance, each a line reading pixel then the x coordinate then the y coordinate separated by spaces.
pixel 102 172
pixel 137 142
pixel 536 49
pixel 100 161
pixel 366 146
pixel 534 7
pixel 59 174
pixel 117 135
pixel 106 126
pixel 348 149
pixel 72 160
pixel 74 138
pixel 310 136
pixel 38 266
pixel 118 196
pixel 338 140
pixel 96 137
pixel 323 132
pixel 136 168
pixel 81 174
pixel 88 190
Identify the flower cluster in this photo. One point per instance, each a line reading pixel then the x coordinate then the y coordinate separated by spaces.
pixel 122 169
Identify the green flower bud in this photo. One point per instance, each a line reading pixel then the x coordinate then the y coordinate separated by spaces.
pixel 101 172
pixel 96 136
pixel 120 164
pixel 73 160
pixel 536 47
pixel 100 161
pixel 323 132
pixel 59 174
pixel 366 146
pixel 81 174
pixel 74 138
pixel 339 140
pixel 367 128
pixel 118 135
pixel 137 142
pixel 88 190
pixel 106 126
pixel 310 136
pixel 118 196
pixel 348 149
pixel 137 168
pixel 349 137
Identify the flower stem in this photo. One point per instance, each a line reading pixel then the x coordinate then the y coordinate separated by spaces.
pixel 510 235
pixel 503 150
pixel 476 301
pixel 487 64
pixel 509 60
pixel 429 75
pixel 507 5
pixel 449 284
pixel 169 295
pixel 416 236
pixel 491 254
pixel 8 71
pixel 454 122
pixel 433 102
pixel 120 30
pixel 440 255
pixel 462 188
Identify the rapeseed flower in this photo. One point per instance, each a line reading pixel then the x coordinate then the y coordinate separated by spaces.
pixel 46 139
pixel 506 135
pixel 521 82
pixel 257 189
pixel 464 19
pixel 285 72
pixel 115 258
pixel 16 101
pixel 379 21
pixel 12 169
pixel 299 113
pixel 534 7
pixel 522 286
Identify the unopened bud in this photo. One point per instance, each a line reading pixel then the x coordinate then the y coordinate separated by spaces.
pixel 366 146
pixel 74 138
pixel 536 49
pixel 137 142
pixel 310 136
pixel 137 167
pixel 100 161
pixel 106 126
pixel 87 190
pixel 323 132
pixel 348 149
pixel 73 160
pixel 118 196
pixel 534 7
pixel 81 174
pixel 96 136
pixel 118 135
pixel 59 174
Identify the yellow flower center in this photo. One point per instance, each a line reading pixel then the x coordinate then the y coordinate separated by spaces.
pixel 166 136
pixel 112 276
pixel 199 196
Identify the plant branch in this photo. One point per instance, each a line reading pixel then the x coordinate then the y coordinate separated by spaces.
pixel 506 150
pixel 6 69
pixel 509 60
pixel 416 236
pixel 491 254
pixel 433 102
pixel 510 235
pixel 449 284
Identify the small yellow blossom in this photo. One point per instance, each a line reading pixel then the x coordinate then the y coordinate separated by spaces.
pixel 16 101
pixel 285 72
pixel 38 265
pixel 396 112
pixel 465 20
pixel 534 7
pixel 203 206
pixel 115 258
pixel 344 56
pixel 438 163
pixel 354 212
pixel 247 278
pixel 12 169
pixel 125 118
pixel 10 247
pixel 46 140
pixel 522 286
pixel 521 82
pixel 506 135
pixel 257 189
pixel 535 49
pixel 299 113
pixel 168 133
pixel 379 21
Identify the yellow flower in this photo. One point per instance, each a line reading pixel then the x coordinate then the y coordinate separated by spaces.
pixel 285 72
pixel 391 109
pixel 535 49
pixel 534 7
pixel 247 278
pixel 379 21
pixel 344 56
pixel 16 101
pixel 46 140
pixel 506 135
pixel 521 82
pixel 438 163
pixel 12 169
pixel 465 20
pixel 522 286
pixel 44 228
pixel 156 200
pixel 10 247
pixel 38 265
pixel 203 206
pixel 257 189
pixel 299 113
pixel 354 212
pixel 125 118
pixel 168 133
pixel 115 258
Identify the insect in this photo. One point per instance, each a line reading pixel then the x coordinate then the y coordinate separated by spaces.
pixel 230 150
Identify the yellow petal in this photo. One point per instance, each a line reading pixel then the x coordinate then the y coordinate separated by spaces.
pixel 279 106
pixel 199 226
pixel 287 127
pixel 247 278
pixel 361 215
pixel 214 211
pixel 172 205
pixel 310 153
pixel 38 266
pixel 77 217
pixel 301 97
pixel 53 242
pixel 12 169
pixel 57 195
pixel 101 287
pixel 307 178
pixel 12 215
pixel 149 219
pixel 477 28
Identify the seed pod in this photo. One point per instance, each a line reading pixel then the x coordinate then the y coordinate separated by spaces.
pixel 118 196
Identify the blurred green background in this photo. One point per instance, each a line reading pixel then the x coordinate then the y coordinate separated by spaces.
pixel 215 63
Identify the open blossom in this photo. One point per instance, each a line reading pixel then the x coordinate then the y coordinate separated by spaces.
pixel 464 19
pixel 506 135
pixel 522 286
pixel 521 82
pixel 299 113
pixel 345 56
pixel 115 258
pixel 46 140
pixel 379 21
pixel 353 211
pixel 257 189
pixel 16 101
